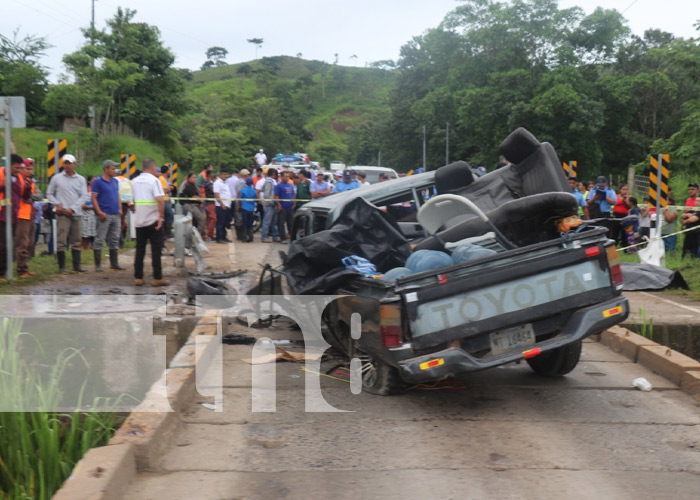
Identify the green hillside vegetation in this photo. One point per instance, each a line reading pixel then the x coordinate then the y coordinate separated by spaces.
pixel 285 104
pixel 583 82
pixel 33 143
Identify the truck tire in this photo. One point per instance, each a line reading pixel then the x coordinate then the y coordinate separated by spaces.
pixel 378 377
pixel 557 362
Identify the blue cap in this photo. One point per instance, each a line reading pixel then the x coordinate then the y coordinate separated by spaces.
pixel 249 181
pixel 347 173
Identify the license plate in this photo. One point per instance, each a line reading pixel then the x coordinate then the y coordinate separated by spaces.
pixel 512 338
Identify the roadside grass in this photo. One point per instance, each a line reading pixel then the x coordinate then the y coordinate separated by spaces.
pixel 46 267
pixel 688 267
pixel 40 448
pixel 647 328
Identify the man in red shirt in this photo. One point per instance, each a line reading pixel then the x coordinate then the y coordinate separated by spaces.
pixel 691 219
pixel 24 234
pixel 16 162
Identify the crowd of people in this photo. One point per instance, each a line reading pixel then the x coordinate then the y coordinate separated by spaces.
pixel 80 213
pixel 91 213
pixel 597 200
pixel 222 201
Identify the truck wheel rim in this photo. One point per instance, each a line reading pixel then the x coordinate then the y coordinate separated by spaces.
pixel 369 369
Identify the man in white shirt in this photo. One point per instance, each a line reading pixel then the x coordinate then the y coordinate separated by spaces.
pixel 261 158
pixel 362 178
pixel 149 212
pixel 222 193
pixel 68 192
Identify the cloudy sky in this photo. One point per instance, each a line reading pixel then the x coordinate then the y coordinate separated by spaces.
pixel 318 29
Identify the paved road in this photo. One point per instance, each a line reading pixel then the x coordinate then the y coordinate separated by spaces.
pixel 664 308
pixel 503 433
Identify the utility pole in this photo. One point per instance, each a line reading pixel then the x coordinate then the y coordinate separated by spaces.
pixel 92 29
pixel 447 143
pixel 424 146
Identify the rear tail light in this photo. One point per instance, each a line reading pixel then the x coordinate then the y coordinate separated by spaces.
pixel 390 324
pixel 615 269
pixel 592 252
pixel 532 353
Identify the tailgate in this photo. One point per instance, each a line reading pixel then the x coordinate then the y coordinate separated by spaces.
pixel 455 307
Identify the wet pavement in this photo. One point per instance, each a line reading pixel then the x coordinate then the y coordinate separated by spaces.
pixel 503 433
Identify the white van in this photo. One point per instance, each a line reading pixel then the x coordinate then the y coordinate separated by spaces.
pixel 373 172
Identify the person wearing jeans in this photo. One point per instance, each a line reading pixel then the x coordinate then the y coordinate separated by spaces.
pixel 266 187
pixel 284 198
pixel 108 210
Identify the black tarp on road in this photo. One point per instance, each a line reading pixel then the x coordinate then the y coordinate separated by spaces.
pixel 648 277
pixel 313 265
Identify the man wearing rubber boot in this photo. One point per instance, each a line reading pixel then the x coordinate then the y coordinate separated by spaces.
pixel 108 209
pixel 149 211
pixel 68 192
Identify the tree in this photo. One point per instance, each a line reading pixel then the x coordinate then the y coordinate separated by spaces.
pixel 493 66
pixel 27 50
pixel 132 77
pixel 257 42
pixel 69 101
pixel 22 75
pixel 215 57
pixel 385 64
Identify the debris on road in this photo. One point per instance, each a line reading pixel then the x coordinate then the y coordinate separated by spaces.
pixel 237 339
pixel 642 384
pixel 199 285
pixel 283 355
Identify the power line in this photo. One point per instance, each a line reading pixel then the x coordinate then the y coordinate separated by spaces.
pixel 172 30
pixel 62 21
pixel 629 6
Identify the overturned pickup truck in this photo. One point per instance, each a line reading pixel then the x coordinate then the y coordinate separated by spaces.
pixel 469 273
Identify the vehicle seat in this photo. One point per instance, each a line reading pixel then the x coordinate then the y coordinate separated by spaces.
pixel 453 177
pixel 439 209
pixel 524 221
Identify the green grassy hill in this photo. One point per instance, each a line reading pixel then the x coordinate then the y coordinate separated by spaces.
pixel 284 104
pixel 328 101
pixel 33 143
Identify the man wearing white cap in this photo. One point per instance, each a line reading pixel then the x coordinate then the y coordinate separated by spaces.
pixel 67 192
pixel 261 158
